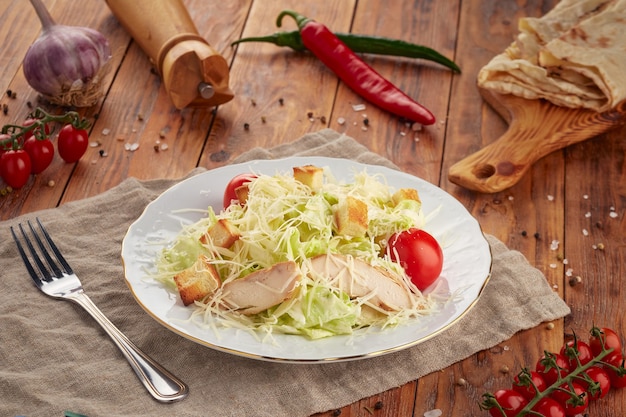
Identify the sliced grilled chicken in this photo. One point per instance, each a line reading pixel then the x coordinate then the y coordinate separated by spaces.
pixel 358 278
pixel 262 289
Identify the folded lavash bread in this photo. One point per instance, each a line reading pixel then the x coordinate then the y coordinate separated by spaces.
pixel 573 56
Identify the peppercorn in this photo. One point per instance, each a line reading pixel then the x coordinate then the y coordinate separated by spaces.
pixel 246 126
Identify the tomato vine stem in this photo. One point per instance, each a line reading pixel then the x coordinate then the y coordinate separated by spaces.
pixel 17 133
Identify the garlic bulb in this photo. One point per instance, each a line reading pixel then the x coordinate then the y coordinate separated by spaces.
pixel 66 64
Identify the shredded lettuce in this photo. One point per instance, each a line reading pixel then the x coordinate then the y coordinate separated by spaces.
pixel 285 220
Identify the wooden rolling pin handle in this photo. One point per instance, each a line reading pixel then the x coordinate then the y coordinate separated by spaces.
pixel 536 129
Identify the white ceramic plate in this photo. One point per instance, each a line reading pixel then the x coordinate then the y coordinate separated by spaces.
pixel 466 269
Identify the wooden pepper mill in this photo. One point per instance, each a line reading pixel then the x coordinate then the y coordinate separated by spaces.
pixel 193 73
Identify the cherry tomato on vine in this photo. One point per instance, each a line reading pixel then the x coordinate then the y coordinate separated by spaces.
pixel 549 407
pixel 608 339
pixel 528 391
pixel 572 405
pixel 573 349
pixel 15 167
pixel 511 401
pixel 617 381
pixel 72 143
pixel 230 193
pixel 419 254
pixel 602 381
pixel 30 121
pixel 4 146
pixel 41 153
pixel 551 365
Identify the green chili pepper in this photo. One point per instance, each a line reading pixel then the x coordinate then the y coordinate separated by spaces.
pixel 361 44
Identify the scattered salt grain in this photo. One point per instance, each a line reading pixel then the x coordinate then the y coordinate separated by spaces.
pixel 554 245
pixel 358 107
pixel 416 127
pixel 569 272
pixel 585 196
pixel 433 413
pixel 585 232
pixel 341 121
pixel 553 266
pixel 613 215
pixel 402 133
pixel 550 197
pixel 588 214
pixel 94 144
pixel 131 146
pixel 106 131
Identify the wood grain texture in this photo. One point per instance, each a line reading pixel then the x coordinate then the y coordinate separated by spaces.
pixel 567 196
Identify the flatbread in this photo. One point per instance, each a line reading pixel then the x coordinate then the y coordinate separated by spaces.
pixel 573 56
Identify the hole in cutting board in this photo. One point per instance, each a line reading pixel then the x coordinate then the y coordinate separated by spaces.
pixel 484 171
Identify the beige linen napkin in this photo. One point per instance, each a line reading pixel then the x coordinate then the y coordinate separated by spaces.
pixel 54 357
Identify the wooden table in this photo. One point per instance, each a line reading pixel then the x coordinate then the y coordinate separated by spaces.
pixel 567 196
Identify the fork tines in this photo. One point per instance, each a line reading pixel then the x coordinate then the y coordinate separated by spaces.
pixel 46 273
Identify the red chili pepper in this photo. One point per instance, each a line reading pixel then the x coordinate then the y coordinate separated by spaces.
pixel 351 69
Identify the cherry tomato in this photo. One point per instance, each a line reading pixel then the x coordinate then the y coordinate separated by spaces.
pixel 419 254
pixel 549 407
pixel 230 193
pixel 617 381
pixel 577 348
pixel 571 404
pixel 72 143
pixel 30 121
pixel 602 381
pixel 608 339
pixel 511 401
pixel 15 167
pixel 551 365
pixel 521 384
pixel 4 146
pixel 41 153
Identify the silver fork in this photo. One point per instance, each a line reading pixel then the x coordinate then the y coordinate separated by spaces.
pixel 56 279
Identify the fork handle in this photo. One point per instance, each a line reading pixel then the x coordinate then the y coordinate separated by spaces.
pixel 160 383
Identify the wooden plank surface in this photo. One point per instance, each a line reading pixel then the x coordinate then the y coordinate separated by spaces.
pixel 280 95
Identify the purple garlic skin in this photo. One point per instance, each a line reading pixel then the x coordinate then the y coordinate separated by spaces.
pixel 66 60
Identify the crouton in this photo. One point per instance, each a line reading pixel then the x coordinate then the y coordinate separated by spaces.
pixel 223 234
pixel 197 281
pixel 405 194
pixel 242 193
pixel 309 175
pixel 351 217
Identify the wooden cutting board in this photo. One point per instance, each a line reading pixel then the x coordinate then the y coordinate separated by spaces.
pixel 536 128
